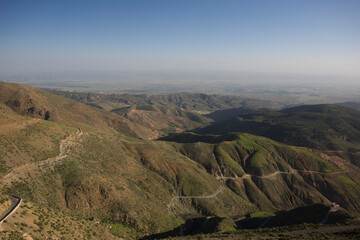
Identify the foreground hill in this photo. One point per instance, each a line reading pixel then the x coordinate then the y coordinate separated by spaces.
pixel 327 127
pixel 111 181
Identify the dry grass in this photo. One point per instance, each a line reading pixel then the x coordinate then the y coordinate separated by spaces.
pixel 40 222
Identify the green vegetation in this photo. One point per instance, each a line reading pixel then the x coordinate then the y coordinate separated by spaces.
pixel 348 181
pixel 225 160
pixel 70 172
pixel 3 168
pixel 272 184
pixel 121 230
pixel 261 214
pixel 316 126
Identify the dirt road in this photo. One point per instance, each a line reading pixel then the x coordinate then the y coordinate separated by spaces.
pixel 20 170
pixel 293 171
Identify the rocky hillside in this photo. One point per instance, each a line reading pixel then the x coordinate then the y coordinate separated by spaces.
pixel 33 102
pixel 36 103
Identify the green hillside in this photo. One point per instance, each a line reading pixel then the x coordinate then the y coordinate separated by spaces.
pixel 327 127
pixel 270 174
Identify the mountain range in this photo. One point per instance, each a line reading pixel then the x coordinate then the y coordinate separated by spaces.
pixel 113 168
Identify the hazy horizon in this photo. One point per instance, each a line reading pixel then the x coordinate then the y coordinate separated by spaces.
pixel 299 38
pixel 121 78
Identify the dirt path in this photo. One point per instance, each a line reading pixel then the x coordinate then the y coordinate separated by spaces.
pixel 17 201
pixel 266 221
pixel 169 206
pixel 20 171
pixel 331 210
pixel 293 171
pixel 198 196
pixel 221 178
pixel 246 175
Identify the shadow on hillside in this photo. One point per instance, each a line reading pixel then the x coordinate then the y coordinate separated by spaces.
pixel 227 114
pixel 190 227
pixel 306 214
pixel 188 137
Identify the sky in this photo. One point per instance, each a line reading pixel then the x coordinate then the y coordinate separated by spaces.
pixel 320 37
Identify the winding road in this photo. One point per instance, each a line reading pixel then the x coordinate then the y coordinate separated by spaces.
pixel 197 197
pixel 244 176
pixel 331 210
pixel 293 171
pixel 17 171
pixel 192 197
pixel 16 201
pixel 15 204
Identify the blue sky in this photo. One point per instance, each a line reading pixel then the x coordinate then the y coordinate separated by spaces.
pixel 307 37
